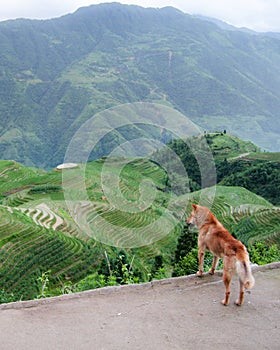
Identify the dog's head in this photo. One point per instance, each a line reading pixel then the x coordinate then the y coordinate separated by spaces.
pixel 191 220
pixel 199 216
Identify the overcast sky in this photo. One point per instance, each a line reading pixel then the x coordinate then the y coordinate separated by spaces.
pixel 259 15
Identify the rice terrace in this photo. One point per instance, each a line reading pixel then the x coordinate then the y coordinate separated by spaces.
pixel 44 252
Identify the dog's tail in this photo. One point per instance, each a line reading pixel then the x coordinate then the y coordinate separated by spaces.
pixel 243 269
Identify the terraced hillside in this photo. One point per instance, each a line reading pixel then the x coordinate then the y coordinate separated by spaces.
pixel 38 234
pixel 247 216
pixel 27 250
pixel 129 222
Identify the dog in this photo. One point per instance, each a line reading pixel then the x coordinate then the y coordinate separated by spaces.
pixel 214 237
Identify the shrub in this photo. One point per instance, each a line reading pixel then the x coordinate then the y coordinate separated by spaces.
pixel 6 297
pixel 262 254
pixel 92 281
pixel 188 264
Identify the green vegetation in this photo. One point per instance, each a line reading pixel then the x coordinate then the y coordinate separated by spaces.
pixel 260 177
pixel 43 249
pixel 6 297
pixel 227 146
pixel 261 253
pixel 235 164
pixel 28 249
pixel 265 156
pixel 44 252
pixel 56 74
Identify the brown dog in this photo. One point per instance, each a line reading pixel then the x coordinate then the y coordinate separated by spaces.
pixel 214 237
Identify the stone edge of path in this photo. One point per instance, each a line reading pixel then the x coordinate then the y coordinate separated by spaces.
pixel 125 288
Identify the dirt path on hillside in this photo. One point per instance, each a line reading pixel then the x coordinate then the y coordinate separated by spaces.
pixel 181 313
pixel 240 156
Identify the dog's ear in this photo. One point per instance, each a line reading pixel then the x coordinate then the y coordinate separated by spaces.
pixel 194 206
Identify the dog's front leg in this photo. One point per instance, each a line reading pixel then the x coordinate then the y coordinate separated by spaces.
pixel 200 261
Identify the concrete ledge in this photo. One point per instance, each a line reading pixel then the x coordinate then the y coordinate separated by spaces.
pixel 190 280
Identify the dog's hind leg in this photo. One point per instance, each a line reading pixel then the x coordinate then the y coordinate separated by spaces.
pixel 227 281
pixel 240 301
pixel 214 264
pixel 227 275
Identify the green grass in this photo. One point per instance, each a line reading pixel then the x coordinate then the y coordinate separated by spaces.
pixel 224 145
pixel 228 195
pixel 266 156
pixel 14 178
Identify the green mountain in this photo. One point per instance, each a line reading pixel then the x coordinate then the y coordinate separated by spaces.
pixel 55 74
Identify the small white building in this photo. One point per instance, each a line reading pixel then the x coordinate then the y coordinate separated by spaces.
pixel 63 166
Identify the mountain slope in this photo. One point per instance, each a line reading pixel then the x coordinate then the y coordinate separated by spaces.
pixel 55 74
pixel 237 163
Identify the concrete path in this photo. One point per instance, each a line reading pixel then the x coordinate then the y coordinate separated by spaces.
pixel 180 313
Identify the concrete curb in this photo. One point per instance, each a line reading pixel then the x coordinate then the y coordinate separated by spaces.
pixel 174 281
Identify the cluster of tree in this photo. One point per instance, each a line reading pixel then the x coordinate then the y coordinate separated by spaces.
pixel 262 178
pixel 258 176
pixel 45 189
pixel 194 157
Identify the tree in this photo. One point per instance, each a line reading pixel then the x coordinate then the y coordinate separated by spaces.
pixel 186 242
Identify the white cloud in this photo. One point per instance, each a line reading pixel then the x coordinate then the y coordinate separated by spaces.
pixel 261 15
pixel 38 8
